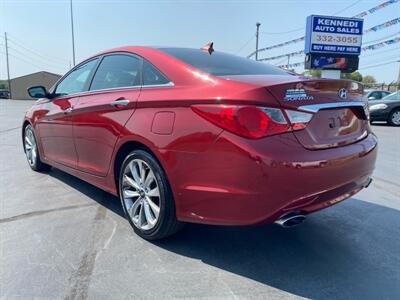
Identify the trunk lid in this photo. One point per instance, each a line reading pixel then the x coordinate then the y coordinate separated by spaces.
pixel 339 117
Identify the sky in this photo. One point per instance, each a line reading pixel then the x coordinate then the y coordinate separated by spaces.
pixel 40 31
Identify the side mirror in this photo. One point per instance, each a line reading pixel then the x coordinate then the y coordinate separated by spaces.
pixel 38 92
pixel 371 98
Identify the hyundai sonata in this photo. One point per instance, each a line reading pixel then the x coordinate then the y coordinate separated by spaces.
pixel 188 135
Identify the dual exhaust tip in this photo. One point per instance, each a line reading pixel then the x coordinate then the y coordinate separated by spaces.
pixel 294 218
pixel 290 219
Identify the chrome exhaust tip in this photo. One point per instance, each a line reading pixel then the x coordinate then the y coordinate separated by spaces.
pixel 290 220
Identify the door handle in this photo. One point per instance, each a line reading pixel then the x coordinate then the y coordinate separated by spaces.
pixel 67 110
pixel 119 103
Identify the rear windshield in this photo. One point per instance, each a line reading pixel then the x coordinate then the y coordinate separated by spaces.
pixel 222 64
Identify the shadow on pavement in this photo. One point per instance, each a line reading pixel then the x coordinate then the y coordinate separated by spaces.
pixel 103 198
pixel 347 251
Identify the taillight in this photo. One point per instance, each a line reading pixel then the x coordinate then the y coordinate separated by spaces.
pixel 247 121
pixel 298 120
pixel 252 121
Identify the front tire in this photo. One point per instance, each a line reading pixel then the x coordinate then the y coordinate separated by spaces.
pixel 31 150
pixel 394 117
pixel 146 197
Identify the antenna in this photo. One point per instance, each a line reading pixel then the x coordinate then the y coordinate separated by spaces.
pixel 208 47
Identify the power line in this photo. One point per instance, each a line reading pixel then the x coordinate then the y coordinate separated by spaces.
pixel 32 58
pixel 245 44
pixel 302 28
pixel 24 60
pixel 380 52
pixel 17 42
pixel 377 65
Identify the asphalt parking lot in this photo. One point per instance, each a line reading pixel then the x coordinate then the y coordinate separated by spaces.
pixel 63 238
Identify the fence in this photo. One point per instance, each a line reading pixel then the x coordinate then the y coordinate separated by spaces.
pixel 391 87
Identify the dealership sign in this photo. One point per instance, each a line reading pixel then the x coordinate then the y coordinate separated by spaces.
pixel 333 35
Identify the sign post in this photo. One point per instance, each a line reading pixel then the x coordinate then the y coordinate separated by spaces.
pixel 333 44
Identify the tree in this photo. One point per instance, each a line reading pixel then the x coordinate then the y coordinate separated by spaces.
pixel 353 76
pixel 368 79
pixel 313 73
pixel 3 84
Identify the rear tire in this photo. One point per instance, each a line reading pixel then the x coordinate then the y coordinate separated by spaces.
pixel 394 117
pixel 31 150
pixel 146 197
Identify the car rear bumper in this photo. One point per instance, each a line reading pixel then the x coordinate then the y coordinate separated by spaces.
pixel 242 182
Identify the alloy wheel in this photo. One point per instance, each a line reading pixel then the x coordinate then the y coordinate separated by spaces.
pixel 30 146
pixel 141 194
pixel 396 118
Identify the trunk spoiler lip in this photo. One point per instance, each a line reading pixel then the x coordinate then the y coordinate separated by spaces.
pixel 314 108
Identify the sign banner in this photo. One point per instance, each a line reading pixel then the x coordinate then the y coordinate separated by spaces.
pixel 300 39
pixel 382 44
pixel 383 25
pixel 325 34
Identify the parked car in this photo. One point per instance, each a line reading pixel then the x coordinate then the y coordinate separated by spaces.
pixel 375 94
pixel 387 109
pixel 4 94
pixel 188 135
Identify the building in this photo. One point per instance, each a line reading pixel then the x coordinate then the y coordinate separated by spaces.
pixel 20 85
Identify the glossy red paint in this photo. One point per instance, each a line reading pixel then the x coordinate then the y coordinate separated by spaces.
pixel 216 177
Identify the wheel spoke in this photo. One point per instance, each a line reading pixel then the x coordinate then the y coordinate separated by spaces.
pixel 133 209
pixel 142 171
pixel 131 182
pixel 140 216
pixel 135 173
pixel 149 218
pixel 154 192
pixel 153 206
pixel 27 141
pixel 130 193
pixel 149 179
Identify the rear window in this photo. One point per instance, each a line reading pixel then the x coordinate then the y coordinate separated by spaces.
pixel 222 64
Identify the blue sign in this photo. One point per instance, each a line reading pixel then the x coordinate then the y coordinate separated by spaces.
pixel 334 35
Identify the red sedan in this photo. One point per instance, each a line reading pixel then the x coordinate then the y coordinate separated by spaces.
pixel 182 135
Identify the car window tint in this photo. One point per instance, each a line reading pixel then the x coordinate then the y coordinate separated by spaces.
pixel 75 81
pixel 151 76
pixel 393 96
pixel 376 95
pixel 222 64
pixel 116 71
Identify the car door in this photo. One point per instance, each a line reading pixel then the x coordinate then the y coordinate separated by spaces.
pixel 55 127
pixel 101 114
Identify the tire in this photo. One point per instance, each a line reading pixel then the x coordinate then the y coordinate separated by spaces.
pixel 146 197
pixel 31 150
pixel 394 117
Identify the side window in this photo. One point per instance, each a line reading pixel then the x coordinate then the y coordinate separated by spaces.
pixel 115 71
pixel 75 81
pixel 376 95
pixel 151 76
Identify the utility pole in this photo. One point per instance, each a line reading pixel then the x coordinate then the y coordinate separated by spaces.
pixel 72 32
pixel 8 65
pixel 257 32
pixel 398 78
pixel 288 61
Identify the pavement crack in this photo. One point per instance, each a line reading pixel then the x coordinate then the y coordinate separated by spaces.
pixel 43 212
pixel 10 129
pixel 80 280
